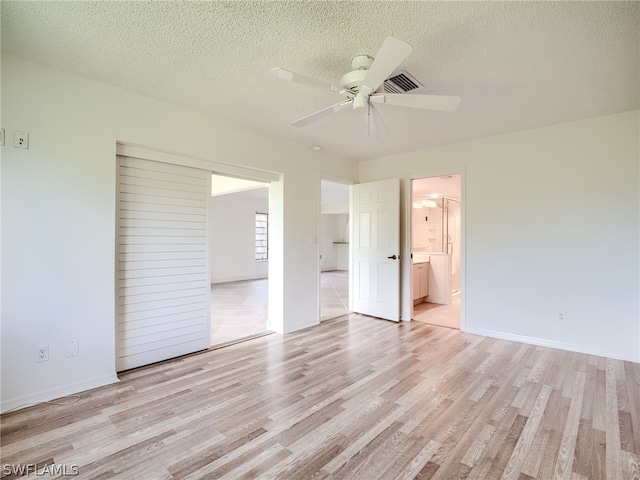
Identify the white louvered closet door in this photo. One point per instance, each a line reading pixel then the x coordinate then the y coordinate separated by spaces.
pixel 162 284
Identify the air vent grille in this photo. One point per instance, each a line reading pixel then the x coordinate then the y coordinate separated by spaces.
pixel 401 83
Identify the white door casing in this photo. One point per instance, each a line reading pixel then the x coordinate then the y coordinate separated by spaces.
pixel 162 278
pixel 375 248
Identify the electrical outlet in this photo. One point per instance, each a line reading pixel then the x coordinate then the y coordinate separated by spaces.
pixel 42 353
pixel 21 140
pixel 562 317
pixel 71 348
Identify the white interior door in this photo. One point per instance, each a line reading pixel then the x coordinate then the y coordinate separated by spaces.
pixel 375 251
pixel 162 277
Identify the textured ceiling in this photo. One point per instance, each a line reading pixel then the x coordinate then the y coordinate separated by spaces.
pixel 516 65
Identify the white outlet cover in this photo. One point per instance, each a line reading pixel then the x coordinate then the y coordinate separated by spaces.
pixel 45 353
pixel 21 139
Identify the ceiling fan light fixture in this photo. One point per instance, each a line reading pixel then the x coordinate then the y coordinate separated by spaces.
pixel 360 101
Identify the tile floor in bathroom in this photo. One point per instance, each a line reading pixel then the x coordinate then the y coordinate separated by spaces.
pixel 437 314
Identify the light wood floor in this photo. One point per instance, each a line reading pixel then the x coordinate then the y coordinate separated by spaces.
pixel 353 398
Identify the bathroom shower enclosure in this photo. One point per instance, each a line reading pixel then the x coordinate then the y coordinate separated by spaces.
pixel 450 237
pixel 436 232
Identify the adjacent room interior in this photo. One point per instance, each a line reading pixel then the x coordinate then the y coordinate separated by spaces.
pixel 436 246
pixel 334 249
pixel 239 256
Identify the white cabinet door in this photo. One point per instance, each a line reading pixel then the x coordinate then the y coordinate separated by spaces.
pixel 415 281
pixel 420 280
pixel 376 248
pixel 424 280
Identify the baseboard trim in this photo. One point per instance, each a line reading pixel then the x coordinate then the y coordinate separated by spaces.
pixel 543 342
pixel 42 396
pixel 300 326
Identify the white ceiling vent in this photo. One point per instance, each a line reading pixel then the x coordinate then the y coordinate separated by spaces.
pixel 401 83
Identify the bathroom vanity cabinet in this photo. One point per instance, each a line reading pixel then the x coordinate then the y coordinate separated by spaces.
pixel 420 280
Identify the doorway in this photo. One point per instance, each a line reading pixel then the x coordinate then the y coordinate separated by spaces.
pixel 163 268
pixel 334 249
pixel 239 256
pixel 436 227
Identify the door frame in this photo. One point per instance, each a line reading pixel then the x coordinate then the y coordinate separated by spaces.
pixel 407 262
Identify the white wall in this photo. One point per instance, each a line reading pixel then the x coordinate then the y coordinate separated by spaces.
pixel 551 224
pixel 232 235
pixel 333 228
pixel 426 234
pixel 58 218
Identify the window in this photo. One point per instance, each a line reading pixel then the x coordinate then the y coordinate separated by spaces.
pixel 262 236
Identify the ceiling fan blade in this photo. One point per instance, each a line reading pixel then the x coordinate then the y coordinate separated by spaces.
pixel 376 127
pixel 321 113
pixel 446 103
pixel 389 57
pixel 299 78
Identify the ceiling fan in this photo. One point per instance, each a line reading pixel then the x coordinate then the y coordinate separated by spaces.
pixel 362 88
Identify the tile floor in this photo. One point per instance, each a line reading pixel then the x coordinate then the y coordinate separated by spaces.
pixel 239 309
pixel 437 314
pixel 334 294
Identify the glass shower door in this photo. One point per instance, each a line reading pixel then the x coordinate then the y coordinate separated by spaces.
pixel 451 234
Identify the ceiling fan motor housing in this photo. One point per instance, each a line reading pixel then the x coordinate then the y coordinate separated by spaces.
pixel 353 80
pixel 361 62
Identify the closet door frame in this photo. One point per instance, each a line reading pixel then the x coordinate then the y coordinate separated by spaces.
pixel 201 339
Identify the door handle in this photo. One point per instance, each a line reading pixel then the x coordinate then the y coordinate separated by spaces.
pixel 392 257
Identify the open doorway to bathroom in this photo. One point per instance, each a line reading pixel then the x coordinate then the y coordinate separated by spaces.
pixel 334 249
pixel 436 225
pixel 239 255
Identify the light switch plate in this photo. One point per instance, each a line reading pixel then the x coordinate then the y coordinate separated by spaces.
pixel 21 140
pixel 1 137
pixel 71 348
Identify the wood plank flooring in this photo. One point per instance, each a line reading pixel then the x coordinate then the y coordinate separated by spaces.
pixel 354 398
